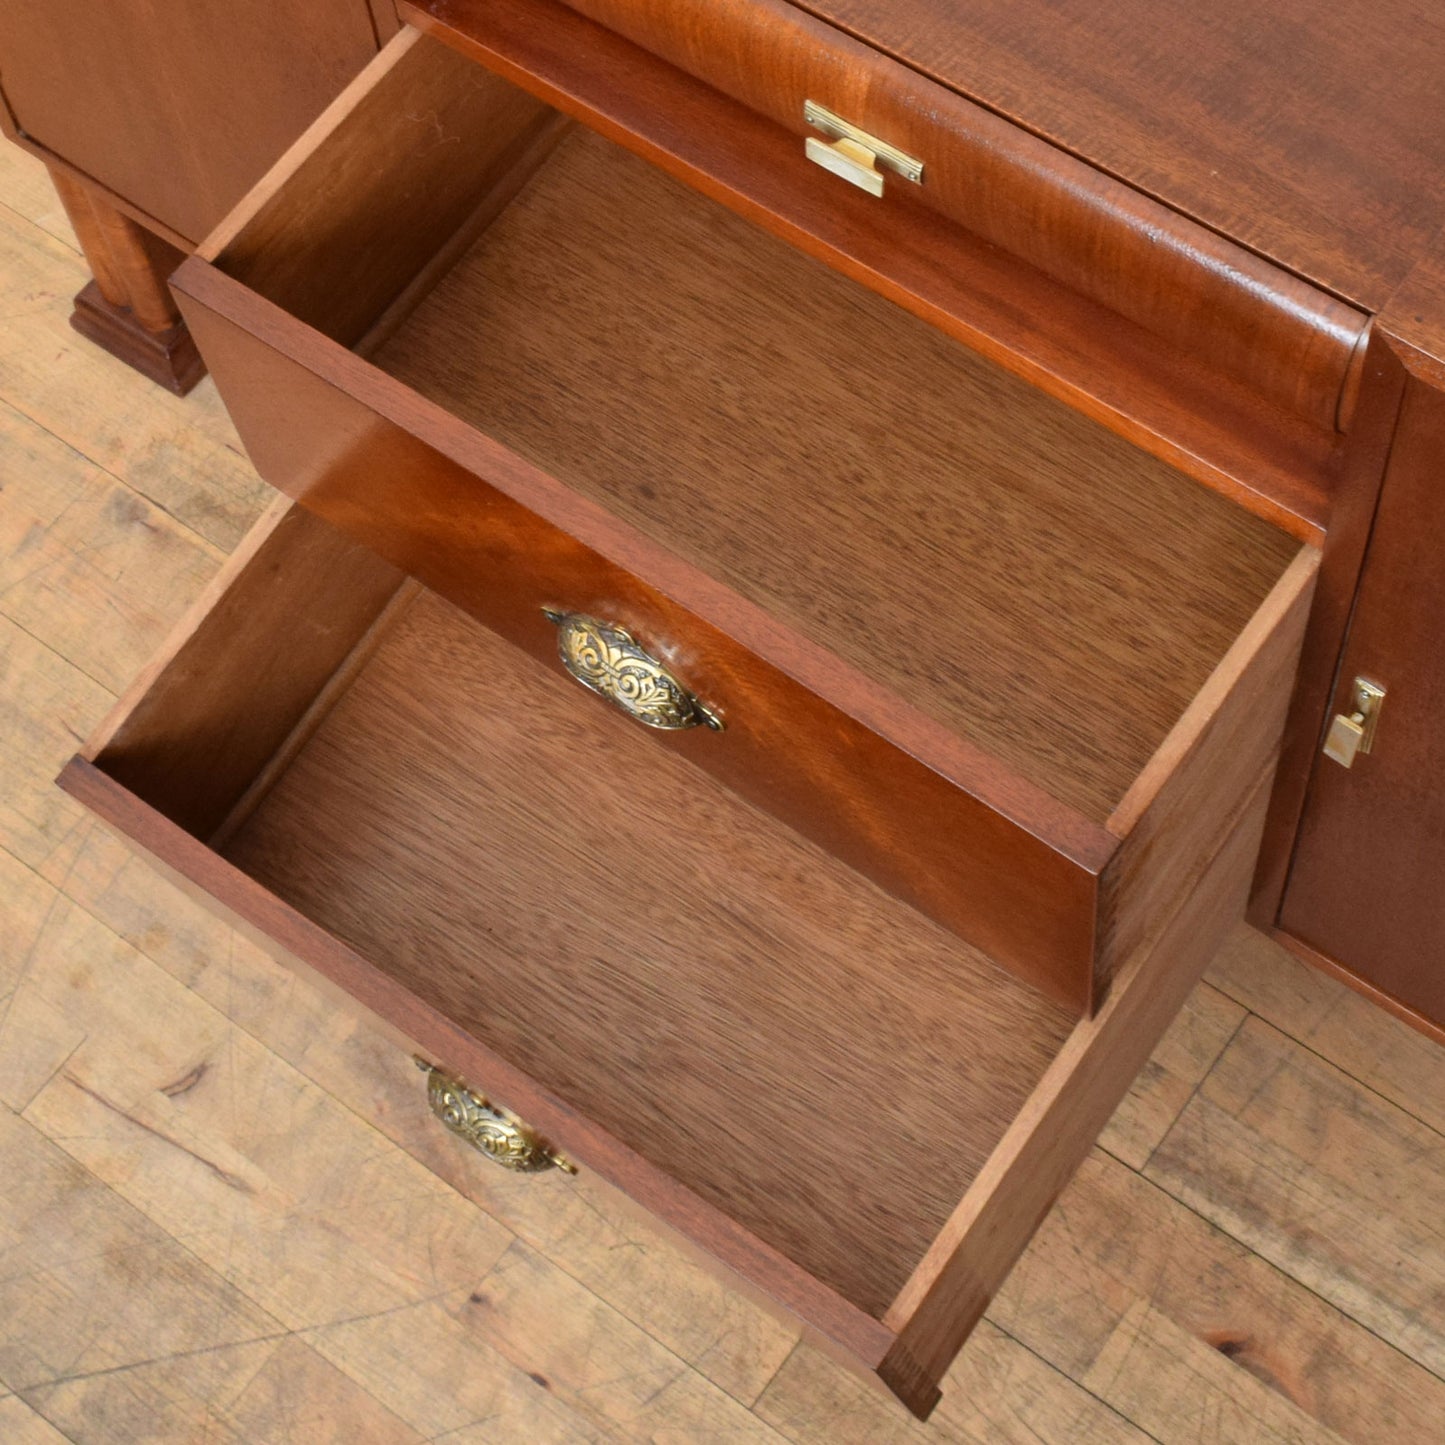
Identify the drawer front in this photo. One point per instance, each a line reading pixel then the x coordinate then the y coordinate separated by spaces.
pixel 1244 317
pixel 1019 874
pixel 942 1105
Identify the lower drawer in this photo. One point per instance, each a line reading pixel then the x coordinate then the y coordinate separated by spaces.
pixel 858 1113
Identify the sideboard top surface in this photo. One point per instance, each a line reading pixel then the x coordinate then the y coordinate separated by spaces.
pixel 1311 131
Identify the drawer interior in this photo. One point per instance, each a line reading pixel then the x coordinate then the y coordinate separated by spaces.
pixel 1036 679
pixel 1011 569
pixel 812 1057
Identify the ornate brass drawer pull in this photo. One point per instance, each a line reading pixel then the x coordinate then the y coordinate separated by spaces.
pixel 499 1135
pixel 608 660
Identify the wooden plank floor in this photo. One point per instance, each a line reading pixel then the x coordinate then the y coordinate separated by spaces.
pixel 225 1214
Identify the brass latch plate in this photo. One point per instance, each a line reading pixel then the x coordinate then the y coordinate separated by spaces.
pixel 1353 733
pixel 855 155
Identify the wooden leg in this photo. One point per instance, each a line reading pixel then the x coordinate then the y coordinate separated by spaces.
pixel 128 308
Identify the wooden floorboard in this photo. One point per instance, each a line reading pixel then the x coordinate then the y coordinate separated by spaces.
pixel 1335 1185
pixel 182 455
pixel 226 1214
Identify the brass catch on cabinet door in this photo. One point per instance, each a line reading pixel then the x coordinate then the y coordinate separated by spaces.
pixel 854 154
pixel 607 659
pixel 501 1136
pixel 1353 733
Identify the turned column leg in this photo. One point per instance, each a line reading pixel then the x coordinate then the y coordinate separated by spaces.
pixel 128 308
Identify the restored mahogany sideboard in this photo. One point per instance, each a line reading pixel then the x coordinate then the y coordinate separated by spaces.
pixel 985 451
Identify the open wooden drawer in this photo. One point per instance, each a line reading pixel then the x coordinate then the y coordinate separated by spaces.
pixel 859 1114
pixel 1018 672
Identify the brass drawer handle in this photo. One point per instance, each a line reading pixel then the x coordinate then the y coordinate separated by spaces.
pixel 499 1135
pixel 607 659
pixel 850 152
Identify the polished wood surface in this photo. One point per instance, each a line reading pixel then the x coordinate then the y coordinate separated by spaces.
pixel 710 995
pixel 845 715
pixel 675 966
pixel 1368 885
pixel 1163 399
pixel 1311 131
pixel 1364 896
pixel 1357 497
pixel 177 107
pixel 128 309
pixel 1074 221
pixel 146 1298
pixel 924 516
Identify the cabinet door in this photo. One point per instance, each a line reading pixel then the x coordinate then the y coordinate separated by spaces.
pixel 1368 885
pixel 179 106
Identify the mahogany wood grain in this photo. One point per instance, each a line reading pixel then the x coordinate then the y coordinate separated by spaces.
pixel 243 667
pixel 1016 574
pixel 1187 802
pixel 274 925
pixel 819 743
pixel 997 884
pixel 248 581
pixel 971 1256
pixel 804 604
pixel 1356 496
pixel 1164 400
pixel 796 1072
pixel 336 233
pixel 1366 887
pixel 729 1001
pixel 128 309
pixel 1311 131
pixel 1074 221
pixel 178 107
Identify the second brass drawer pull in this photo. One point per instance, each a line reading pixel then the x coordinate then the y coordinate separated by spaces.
pixel 607 659
pixel 501 1136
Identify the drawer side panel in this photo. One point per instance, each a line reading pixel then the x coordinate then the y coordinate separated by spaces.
pixel 198 724
pixel 1189 798
pixel 972 1256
